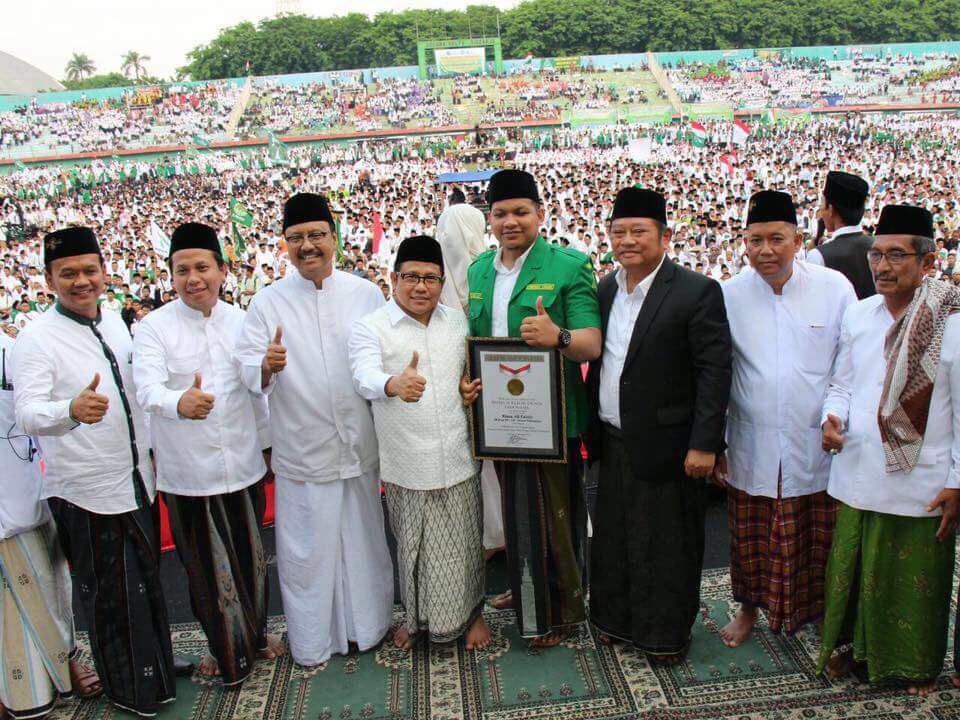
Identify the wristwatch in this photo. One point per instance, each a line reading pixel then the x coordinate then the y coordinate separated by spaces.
pixel 565 339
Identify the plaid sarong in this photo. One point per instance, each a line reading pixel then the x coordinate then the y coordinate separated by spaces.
pixel 912 352
pixel 778 554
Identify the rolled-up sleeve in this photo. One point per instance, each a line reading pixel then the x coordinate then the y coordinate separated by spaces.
pixel 366 362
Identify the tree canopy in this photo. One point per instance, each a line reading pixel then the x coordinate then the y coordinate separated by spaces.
pixel 548 28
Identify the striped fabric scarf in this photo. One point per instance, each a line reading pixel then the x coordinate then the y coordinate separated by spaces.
pixel 912 352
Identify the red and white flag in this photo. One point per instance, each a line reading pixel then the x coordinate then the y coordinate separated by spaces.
pixel 377 232
pixel 741 131
pixel 729 161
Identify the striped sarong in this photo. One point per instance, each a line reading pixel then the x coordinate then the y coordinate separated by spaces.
pixel 36 623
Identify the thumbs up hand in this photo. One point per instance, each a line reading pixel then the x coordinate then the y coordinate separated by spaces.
pixel 408 385
pixel 539 330
pixel 276 358
pixel 195 404
pixel 89 406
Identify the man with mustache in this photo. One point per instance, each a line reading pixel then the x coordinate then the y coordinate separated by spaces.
pixel 336 576
pixel 890 419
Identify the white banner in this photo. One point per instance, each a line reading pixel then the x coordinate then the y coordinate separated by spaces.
pixel 640 149
pixel 159 241
pixel 460 61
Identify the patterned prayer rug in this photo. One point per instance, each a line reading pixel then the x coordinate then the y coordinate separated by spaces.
pixel 768 677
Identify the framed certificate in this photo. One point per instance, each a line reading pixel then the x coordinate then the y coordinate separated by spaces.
pixel 521 411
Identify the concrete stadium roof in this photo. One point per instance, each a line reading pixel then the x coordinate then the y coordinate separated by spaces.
pixel 21 78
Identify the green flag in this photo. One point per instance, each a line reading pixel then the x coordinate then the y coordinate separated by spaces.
pixel 192 152
pixel 20 166
pixel 238 243
pixel 339 245
pixel 239 214
pixel 276 150
pixel 201 141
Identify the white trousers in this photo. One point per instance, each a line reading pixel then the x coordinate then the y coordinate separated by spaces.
pixel 492 508
pixel 336 576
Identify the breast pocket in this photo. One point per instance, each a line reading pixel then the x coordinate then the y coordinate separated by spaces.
pixel 813 347
pixel 181 371
pixel 528 302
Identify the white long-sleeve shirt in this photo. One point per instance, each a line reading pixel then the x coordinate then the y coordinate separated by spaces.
pixel 21 508
pixel 222 453
pixel 423 445
pixel 322 430
pixel 91 466
pixel 623 317
pixel 783 351
pixel 858 474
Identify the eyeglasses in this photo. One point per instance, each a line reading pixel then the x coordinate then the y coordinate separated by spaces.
pixel 314 238
pixel 412 280
pixel 894 257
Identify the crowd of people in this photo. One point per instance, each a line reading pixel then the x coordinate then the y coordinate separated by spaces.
pixel 775 81
pixel 170 115
pixel 396 182
pixel 810 375
pixel 167 115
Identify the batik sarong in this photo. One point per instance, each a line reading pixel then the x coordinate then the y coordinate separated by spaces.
pixel 36 623
pixel 544 517
pixel 115 561
pixel 218 542
pixel 888 588
pixel 439 556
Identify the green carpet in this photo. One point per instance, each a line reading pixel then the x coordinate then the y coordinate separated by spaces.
pixel 768 677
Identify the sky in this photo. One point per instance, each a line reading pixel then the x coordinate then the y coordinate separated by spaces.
pixel 46 33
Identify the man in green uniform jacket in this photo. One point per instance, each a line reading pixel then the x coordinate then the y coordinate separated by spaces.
pixel 546 295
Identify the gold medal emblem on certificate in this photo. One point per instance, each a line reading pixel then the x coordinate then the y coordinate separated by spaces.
pixel 515 387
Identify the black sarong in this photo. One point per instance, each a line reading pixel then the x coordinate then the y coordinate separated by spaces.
pixel 115 561
pixel 218 542
pixel 646 553
pixel 544 520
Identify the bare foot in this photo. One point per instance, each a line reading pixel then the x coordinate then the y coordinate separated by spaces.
pixel 739 629
pixel 275 648
pixel 922 689
pixel 956 680
pixel 605 639
pixel 403 639
pixel 478 636
pixel 209 666
pixel 84 680
pixel 841 665
pixel 503 601
pixel 667 660
pixel 551 639
pixel 488 554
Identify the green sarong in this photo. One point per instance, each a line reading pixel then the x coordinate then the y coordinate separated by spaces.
pixel 888 588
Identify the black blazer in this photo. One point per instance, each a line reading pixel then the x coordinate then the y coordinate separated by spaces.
pixel 675 383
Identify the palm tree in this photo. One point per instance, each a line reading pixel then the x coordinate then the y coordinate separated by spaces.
pixel 134 62
pixel 79 67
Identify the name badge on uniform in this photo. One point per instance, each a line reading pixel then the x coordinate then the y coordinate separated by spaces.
pixel 476 296
pixel 541 286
